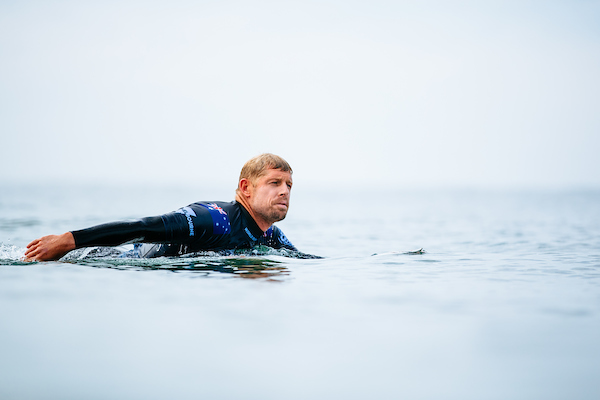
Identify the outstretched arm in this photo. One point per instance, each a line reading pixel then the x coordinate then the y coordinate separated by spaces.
pixel 51 247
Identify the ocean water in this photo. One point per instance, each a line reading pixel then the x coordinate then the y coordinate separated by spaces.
pixel 503 303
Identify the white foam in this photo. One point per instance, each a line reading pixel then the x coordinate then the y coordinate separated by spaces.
pixel 11 252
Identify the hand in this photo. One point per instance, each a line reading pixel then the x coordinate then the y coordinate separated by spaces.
pixel 50 247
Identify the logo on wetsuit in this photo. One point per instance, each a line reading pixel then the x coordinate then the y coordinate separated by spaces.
pixel 279 236
pixel 284 240
pixel 188 212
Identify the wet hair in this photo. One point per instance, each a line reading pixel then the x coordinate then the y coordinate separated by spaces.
pixel 258 166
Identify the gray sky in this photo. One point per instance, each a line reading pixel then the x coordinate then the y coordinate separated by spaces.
pixel 350 92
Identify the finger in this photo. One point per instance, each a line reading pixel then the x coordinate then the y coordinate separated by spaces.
pixel 36 241
pixel 28 258
pixel 44 255
pixel 32 253
pixel 32 248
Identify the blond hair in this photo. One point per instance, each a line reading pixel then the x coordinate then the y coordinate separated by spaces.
pixel 258 166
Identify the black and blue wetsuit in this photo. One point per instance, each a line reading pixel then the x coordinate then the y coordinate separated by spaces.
pixel 200 226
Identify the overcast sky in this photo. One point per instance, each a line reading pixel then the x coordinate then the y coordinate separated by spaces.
pixel 476 93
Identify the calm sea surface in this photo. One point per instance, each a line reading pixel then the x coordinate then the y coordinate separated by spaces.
pixel 504 303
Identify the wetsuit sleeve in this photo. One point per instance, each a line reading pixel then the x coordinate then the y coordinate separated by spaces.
pixel 184 226
pixel 151 229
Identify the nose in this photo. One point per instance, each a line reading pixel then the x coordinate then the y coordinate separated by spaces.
pixel 284 190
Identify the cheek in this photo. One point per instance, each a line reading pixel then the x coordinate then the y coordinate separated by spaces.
pixel 262 196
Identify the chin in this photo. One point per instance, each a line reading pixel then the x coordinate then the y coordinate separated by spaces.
pixel 279 217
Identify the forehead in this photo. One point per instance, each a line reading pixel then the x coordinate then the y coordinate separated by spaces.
pixel 276 174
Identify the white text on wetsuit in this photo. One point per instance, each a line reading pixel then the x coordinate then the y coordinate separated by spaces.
pixel 188 212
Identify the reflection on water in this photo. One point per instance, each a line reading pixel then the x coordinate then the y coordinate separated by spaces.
pixel 233 266
pixel 252 264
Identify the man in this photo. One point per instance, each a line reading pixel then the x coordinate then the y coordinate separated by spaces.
pixel 262 198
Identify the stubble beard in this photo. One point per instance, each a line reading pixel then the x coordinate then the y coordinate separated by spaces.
pixel 272 215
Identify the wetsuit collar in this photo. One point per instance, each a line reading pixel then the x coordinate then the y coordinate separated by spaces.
pixel 252 225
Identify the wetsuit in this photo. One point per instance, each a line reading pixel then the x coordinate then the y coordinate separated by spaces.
pixel 197 227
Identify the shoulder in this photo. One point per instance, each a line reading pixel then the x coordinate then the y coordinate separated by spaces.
pixel 208 208
pixel 220 207
pixel 216 212
pixel 199 218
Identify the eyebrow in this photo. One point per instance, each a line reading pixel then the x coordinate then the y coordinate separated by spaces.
pixel 281 180
pixel 278 180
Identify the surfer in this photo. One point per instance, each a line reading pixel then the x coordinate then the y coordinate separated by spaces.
pixel 262 198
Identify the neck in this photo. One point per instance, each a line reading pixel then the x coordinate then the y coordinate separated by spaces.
pixel 262 224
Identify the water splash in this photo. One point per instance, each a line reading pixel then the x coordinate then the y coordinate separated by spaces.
pixel 11 255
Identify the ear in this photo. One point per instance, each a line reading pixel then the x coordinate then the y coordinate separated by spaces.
pixel 245 187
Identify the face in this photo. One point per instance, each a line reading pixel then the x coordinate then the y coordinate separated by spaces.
pixel 270 195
